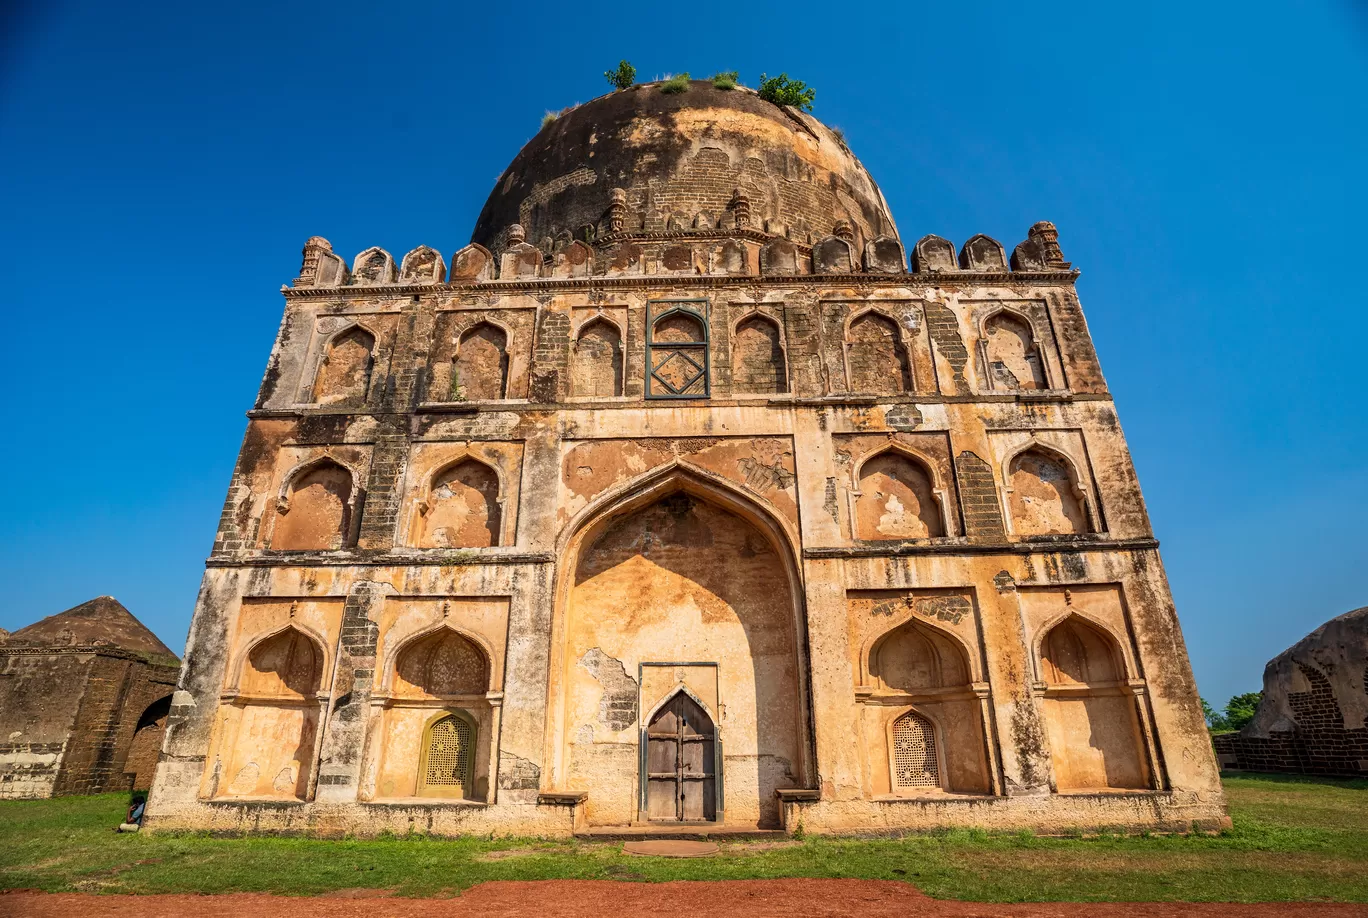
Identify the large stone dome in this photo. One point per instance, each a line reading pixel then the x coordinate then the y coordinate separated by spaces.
pixel 677 161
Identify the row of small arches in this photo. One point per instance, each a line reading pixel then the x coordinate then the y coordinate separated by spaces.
pixel 898 498
pixel 477 369
pixel 443 663
pixel 778 256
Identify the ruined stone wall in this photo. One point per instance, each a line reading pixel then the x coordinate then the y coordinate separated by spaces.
pixel 863 430
pixel 69 717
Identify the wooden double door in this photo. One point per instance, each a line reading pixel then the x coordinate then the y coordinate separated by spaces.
pixel 680 763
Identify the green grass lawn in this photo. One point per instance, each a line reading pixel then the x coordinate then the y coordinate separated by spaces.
pixel 1293 839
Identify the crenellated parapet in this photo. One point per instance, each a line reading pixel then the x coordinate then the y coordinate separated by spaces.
pixel 704 244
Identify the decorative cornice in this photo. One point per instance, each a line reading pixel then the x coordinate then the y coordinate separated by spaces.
pixel 838 400
pixel 707 281
pixel 902 549
pixel 428 558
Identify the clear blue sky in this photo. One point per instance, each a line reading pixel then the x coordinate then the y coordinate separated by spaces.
pixel 161 165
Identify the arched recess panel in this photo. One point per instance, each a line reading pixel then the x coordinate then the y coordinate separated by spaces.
pixel 876 359
pixel 1044 498
pixel 316 513
pixel 462 508
pixel 437 725
pixel 682 579
pixel 1090 711
pixel 597 366
pixel 897 500
pixel 480 368
pixel 758 357
pixel 920 665
pixel 272 723
pixel 1013 356
pixel 344 375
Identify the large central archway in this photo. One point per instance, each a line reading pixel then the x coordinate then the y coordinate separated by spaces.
pixel 684 570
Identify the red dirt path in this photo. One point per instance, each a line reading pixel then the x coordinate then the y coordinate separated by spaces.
pixel 604 898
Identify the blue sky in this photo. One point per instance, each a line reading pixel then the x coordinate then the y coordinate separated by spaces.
pixel 161 165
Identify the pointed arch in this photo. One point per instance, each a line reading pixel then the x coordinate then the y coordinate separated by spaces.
pixel 596 370
pixel 285 663
pixel 315 507
pixel 440 662
pixel 759 364
pixel 345 367
pixel 1074 649
pixel 876 355
pixel 898 495
pixel 461 507
pixel 1011 352
pixel 1044 492
pixel 693 561
pixel 479 367
pixel 914 657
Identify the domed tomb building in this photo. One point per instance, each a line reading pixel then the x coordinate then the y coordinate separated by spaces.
pixel 686 493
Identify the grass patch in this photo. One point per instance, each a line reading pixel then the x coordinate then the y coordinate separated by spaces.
pixel 677 83
pixel 726 80
pixel 1293 839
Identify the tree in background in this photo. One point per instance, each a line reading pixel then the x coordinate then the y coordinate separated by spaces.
pixel 1239 710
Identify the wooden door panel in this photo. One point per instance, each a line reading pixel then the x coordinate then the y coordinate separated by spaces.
pixel 680 784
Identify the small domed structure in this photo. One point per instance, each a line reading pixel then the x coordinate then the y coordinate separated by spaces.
pixel 668 159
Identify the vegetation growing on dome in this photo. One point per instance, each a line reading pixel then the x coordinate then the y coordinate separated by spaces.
pixel 548 118
pixel 725 80
pixel 677 83
pixel 623 77
pixel 782 91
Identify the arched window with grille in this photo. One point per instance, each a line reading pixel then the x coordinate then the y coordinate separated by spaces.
pixel 915 765
pixel 447 768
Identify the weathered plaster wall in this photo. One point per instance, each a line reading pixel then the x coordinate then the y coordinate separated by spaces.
pixel 864 464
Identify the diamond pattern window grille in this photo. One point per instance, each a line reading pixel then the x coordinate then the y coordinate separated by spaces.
pixel 914 752
pixel 677 349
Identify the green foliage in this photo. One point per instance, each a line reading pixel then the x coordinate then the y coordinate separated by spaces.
pixel 782 91
pixel 677 83
pixel 1294 839
pixel 1239 710
pixel 623 77
pixel 1215 720
pixel 725 80
pixel 548 118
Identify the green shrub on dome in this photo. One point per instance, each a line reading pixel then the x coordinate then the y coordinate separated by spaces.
pixel 782 91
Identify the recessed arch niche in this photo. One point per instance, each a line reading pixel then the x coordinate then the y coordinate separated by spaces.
pixel 921 706
pixel 897 499
pixel 671 568
pixel 462 508
pixel 1090 710
pixel 344 373
pixel 438 718
pixel 1044 496
pixel 315 510
pixel 270 726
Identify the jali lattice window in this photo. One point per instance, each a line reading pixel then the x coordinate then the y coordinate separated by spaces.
pixel 677 349
pixel 447 768
pixel 914 753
